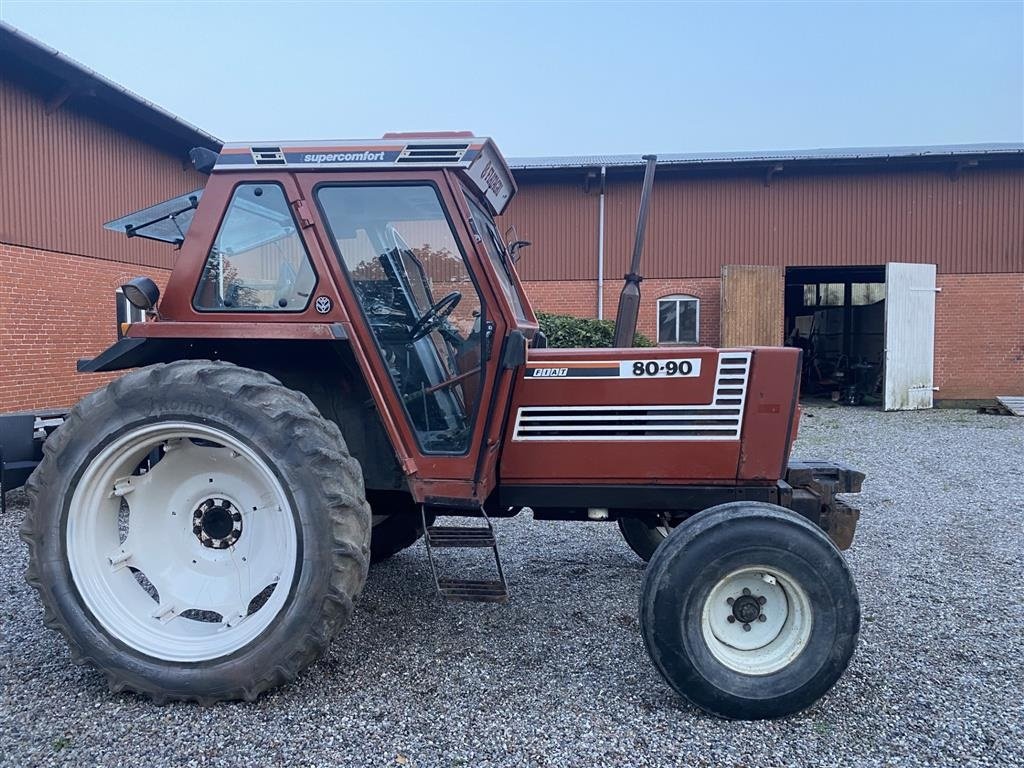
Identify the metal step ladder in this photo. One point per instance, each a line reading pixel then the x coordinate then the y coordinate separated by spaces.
pixel 462 537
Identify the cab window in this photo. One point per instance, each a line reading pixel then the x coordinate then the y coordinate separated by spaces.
pixel 258 262
pixel 417 294
pixel 487 232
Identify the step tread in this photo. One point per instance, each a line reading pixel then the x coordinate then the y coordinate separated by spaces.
pixel 460 536
pixel 473 590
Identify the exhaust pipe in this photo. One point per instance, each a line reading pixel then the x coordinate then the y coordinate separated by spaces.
pixel 629 299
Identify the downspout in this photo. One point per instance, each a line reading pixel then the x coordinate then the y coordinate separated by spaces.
pixel 600 249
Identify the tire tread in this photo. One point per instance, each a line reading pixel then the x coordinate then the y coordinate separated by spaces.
pixel 321 446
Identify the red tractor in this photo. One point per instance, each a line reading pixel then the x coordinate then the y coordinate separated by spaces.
pixel 344 352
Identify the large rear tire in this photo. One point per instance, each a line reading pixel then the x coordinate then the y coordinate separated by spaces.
pixel 197 531
pixel 749 611
pixel 645 534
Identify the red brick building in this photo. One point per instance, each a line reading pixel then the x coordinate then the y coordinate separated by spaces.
pixel 819 228
pixel 76 150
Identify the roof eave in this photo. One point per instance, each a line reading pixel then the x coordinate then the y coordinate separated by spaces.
pixel 83 81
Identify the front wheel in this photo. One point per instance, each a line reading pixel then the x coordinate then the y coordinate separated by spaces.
pixel 197 531
pixel 749 611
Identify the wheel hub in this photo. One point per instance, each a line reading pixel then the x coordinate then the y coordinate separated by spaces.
pixel 217 523
pixel 756 620
pixel 746 608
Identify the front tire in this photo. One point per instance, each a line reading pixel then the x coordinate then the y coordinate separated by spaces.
pixel 749 611
pixel 197 531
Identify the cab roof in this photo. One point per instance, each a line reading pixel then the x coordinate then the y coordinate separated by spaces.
pixel 477 156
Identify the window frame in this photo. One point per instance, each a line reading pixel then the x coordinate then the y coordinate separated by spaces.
pixel 677 298
pixel 298 233
pixel 473 277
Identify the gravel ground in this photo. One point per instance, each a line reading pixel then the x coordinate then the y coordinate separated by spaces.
pixel 560 676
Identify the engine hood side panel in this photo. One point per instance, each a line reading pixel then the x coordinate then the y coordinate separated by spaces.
pixel 647 415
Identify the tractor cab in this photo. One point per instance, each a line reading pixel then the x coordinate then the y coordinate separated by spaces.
pixel 390 243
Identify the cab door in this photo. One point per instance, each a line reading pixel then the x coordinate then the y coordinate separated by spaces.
pixel 424 322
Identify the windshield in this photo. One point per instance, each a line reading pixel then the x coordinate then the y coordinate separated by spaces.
pixel 485 229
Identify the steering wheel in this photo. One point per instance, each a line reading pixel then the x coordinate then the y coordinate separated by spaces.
pixel 434 316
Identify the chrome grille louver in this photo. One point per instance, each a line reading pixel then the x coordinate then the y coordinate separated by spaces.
pixel 268 156
pixel 722 419
pixel 432 153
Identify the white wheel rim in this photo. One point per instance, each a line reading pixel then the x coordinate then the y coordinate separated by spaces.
pixel 757 620
pixel 246 542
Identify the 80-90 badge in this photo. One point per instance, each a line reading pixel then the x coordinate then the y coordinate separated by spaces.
pixel 678 368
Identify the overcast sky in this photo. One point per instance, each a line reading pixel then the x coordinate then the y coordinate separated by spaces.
pixel 569 78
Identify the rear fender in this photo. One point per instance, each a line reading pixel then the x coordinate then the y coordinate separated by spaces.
pixel 324 370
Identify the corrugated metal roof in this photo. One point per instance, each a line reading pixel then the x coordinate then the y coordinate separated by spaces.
pixel 83 82
pixel 867 154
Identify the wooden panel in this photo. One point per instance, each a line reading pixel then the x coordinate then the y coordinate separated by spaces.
pixel 63 174
pixel 753 306
pixel 909 336
pixel 560 220
pixel 700 222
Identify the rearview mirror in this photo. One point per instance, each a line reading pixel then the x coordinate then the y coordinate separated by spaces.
pixel 514 248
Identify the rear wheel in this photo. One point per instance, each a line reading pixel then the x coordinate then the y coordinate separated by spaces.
pixel 197 531
pixel 644 534
pixel 749 611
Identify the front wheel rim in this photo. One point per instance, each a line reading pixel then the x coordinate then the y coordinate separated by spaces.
pixel 181 541
pixel 757 620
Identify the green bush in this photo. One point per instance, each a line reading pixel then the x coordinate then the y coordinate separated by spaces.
pixel 583 332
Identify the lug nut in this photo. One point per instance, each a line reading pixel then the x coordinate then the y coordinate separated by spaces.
pixel 731 619
pixel 762 600
pixel 730 600
pixel 746 627
pixel 762 617
pixel 746 591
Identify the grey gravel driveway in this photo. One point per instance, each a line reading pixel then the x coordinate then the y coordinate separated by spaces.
pixel 560 677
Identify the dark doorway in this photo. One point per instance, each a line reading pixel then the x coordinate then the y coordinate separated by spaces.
pixel 837 316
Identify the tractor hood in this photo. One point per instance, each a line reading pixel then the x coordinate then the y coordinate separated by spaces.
pixel 652 415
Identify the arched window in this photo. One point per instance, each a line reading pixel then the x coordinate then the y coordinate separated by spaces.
pixel 678 319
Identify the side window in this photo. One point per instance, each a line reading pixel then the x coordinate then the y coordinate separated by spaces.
pixel 258 262
pixel 678 320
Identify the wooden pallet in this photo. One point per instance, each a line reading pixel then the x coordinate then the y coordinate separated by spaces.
pixel 1005 406
pixel 1015 405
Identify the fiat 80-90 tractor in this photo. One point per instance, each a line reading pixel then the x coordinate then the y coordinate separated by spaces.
pixel 343 352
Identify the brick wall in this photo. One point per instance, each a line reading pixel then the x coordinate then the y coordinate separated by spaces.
pixel 979 336
pixel 579 298
pixel 54 309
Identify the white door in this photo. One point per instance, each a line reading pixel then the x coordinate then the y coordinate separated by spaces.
pixel 909 336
